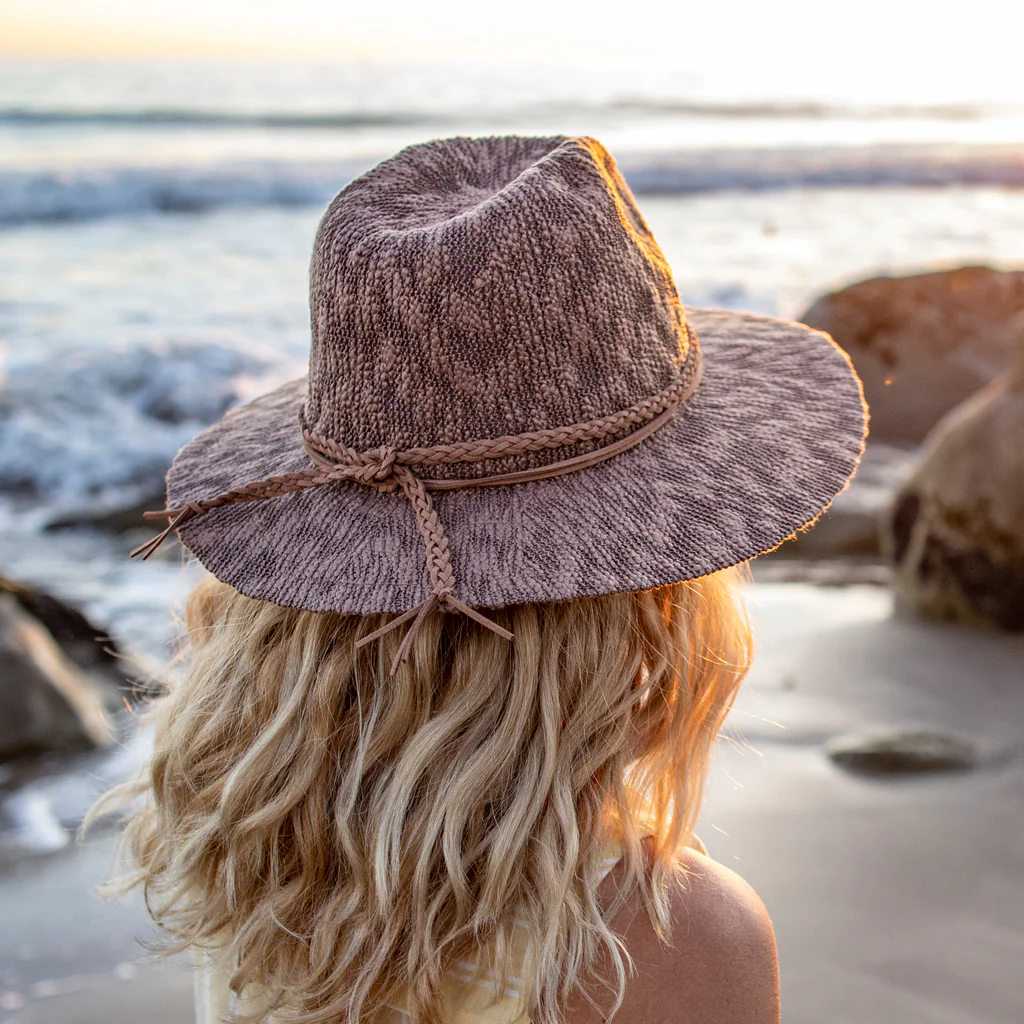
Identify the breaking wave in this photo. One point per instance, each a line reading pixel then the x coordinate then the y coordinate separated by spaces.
pixel 96 424
pixel 69 195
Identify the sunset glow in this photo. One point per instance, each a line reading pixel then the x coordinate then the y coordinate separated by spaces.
pixel 892 40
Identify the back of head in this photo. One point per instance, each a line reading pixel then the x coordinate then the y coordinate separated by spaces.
pixel 349 836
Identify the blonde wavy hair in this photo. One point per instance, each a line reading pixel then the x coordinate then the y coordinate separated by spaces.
pixel 345 836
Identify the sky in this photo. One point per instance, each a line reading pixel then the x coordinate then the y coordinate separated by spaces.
pixel 964 35
pixel 923 51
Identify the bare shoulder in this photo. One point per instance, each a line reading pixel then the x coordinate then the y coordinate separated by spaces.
pixel 721 965
pixel 717 910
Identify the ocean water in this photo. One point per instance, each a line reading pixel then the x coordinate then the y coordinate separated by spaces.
pixel 156 221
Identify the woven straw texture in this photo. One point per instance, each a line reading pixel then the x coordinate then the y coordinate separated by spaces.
pixel 473 288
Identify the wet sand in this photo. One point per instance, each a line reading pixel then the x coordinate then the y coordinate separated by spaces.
pixel 895 900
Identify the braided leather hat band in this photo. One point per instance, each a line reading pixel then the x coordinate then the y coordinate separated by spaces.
pixel 386 469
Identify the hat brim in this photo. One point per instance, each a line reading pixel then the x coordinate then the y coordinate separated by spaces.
pixel 773 433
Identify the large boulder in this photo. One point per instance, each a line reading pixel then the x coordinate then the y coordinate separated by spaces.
pixel 923 344
pixel 956 531
pixel 61 680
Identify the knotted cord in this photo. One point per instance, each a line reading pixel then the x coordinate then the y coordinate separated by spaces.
pixel 387 469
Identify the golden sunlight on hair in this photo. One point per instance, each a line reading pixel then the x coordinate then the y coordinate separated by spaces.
pixel 343 838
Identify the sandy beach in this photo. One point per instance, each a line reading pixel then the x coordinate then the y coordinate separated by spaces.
pixel 894 899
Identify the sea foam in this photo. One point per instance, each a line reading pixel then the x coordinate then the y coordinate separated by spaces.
pixel 50 194
pixel 95 425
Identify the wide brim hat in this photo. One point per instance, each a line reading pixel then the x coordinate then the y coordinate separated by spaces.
pixel 420 339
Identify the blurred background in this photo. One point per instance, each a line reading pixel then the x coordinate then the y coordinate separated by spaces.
pixel 857 167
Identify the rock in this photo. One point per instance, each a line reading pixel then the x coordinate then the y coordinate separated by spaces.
pixel 901 753
pixel 111 516
pixel 61 678
pixel 955 533
pixel 46 703
pixel 85 644
pixel 851 527
pixel 923 344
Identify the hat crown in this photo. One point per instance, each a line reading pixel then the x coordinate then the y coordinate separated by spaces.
pixel 473 288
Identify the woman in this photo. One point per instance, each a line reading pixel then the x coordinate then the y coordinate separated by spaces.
pixel 467 794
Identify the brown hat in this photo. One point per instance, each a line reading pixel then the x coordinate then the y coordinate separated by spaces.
pixel 507 402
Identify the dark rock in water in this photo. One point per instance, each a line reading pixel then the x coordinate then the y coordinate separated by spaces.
pixel 902 753
pixel 85 644
pixel 111 518
pixel 61 679
pixel 922 344
pixel 955 533
pixel 46 702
